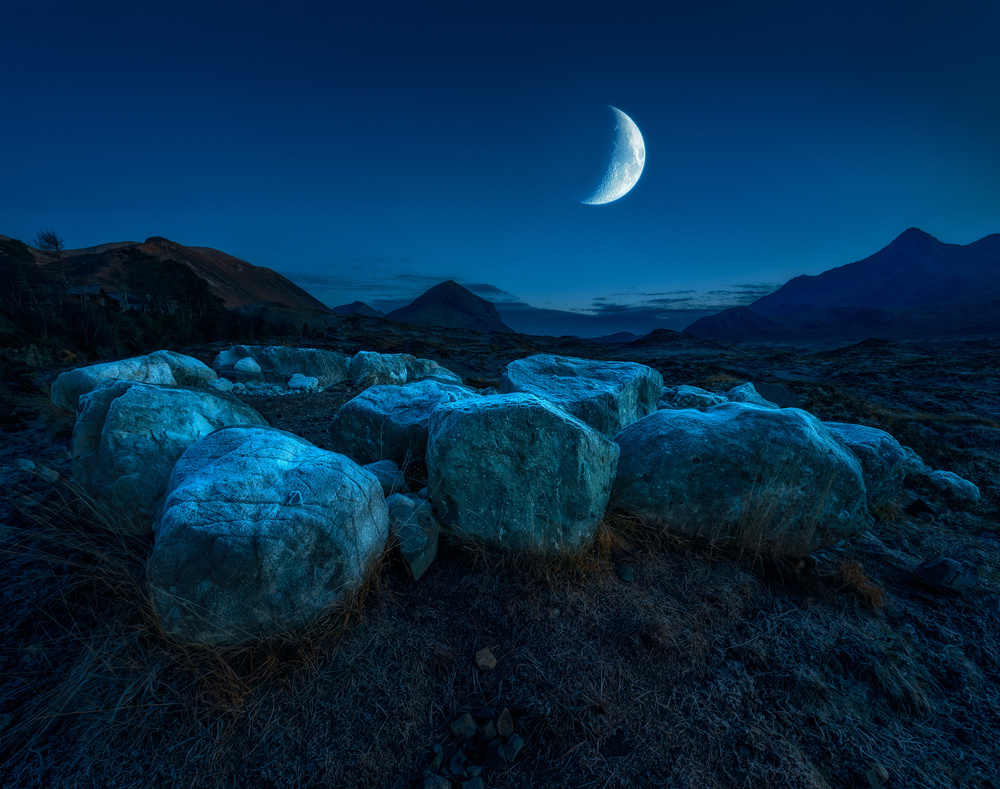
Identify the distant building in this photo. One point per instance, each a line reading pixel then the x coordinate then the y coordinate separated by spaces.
pixel 126 302
pixel 88 294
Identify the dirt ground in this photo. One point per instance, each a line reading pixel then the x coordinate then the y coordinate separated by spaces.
pixel 647 662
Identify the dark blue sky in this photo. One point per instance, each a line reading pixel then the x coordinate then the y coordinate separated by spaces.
pixel 369 150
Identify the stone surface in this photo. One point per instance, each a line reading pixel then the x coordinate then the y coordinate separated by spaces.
pixel 606 395
pixel 762 478
pixel 278 363
pixel 71 385
pixel 247 365
pixel 484 660
pixel 416 532
pixel 260 532
pixel 883 460
pixel 954 487
pixel 747 393
pixel 689 397
pixel 129 435
pixel 371 369
pixel 505 724
pixel 427 369
pixel 515 471
pixel 464 726
pixel 389 476
pixel 303 383
pixel 391 422
pixel 947 576
pixel 186 370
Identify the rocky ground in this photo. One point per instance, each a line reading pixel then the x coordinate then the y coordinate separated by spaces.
pixel 646 662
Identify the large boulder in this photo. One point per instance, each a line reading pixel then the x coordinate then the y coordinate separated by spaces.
pixel 129 435
pixel 685 396
pixel 606 395
pixel 369 368
pixel 883 460
pixel 428 369
pixel 259 534
pixel 747 393
pixel 515 471
pixel 773 480
pixel 186 370
pixel 155 368
pixel 278 364
pixel 956 489
pixel 386 422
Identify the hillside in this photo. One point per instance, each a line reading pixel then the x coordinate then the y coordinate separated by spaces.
pixel 451 306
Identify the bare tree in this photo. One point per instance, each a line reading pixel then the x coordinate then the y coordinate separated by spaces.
pixel 49 241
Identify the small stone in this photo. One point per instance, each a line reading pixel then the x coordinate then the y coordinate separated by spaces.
pixel 485 660
pixel 464 726
pixel 487 731
pixel 23 464
pixel 496 759
pixel 473 783
pixel 626 573
pixel 880 772
pixel 412 614
pixel 947 575
pixel 505 724
pixel 432 781
pixel 513 747
pixel 435 764
pixel 457 765
pixel 474 770
pixel 50 475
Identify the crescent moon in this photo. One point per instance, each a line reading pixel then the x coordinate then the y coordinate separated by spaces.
pixel 627 161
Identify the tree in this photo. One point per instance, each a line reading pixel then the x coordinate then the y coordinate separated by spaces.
pixel 49 241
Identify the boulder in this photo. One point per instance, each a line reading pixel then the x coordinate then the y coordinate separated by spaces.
pixel 303 383
pixel 129 435
pixel 278 363
pixel 416 532
pixel 260 533
pixel 427 369
pixel 955 488
pixel 606 395
pixel 746 393
pixel 386 422
pixel 186 370
pixel 389 476
pixel 221 385
pixel 689 397
pixel 883 460
pixel 369 368
pixel 71 385
pixel 947 576
pixel 765 479
pixel 247 365
pixel 515 471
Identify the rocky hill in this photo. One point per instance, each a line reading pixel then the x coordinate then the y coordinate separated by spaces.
pixel 237 282
pixel 358 308
pixel 451 306
pixel 915 288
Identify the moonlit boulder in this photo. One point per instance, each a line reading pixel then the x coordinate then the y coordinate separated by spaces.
pixel 762 478
pixel 747 393
pixel 186 370
pixel 303 383
pixel 388 422
pixel 883 460
pixel 129 435
pixel 71 385
pixel 428 369
pixel 606 395
pixel 260 533
pixel 369 368
pixel 278 364
pixel 689 397
pixel 958 489
pixel 247 365
pixel 517 472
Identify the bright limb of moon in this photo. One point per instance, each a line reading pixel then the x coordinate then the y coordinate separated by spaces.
pixel 626 163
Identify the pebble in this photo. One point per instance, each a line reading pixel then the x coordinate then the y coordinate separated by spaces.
pixel 457 765
pixel 435 764
pixel 485 660
pixel 626 573
pixel 505 724
pixel 473 783
pixel 487 731
pixel 513 747
pixel 464 726
pixel 432 781
pixel 22 464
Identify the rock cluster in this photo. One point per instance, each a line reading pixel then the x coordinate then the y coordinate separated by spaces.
pixel 256 530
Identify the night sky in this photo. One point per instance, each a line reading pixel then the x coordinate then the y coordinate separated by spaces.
pixel 369 150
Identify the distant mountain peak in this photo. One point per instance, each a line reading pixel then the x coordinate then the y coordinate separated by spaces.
pixel 451 306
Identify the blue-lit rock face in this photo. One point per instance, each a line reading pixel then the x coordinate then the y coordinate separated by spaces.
pixel 766 479
pixel 259 533
pixel 608 396
pixel 883 460
pixel 390 422
pixel 515 471
pixel 159 367
pixel 277 364
pixel 129 435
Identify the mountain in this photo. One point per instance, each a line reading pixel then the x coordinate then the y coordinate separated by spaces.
pixel 451 306
pixel 611 339
pixel 358 308
pixel 915 288
pixel 235 281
